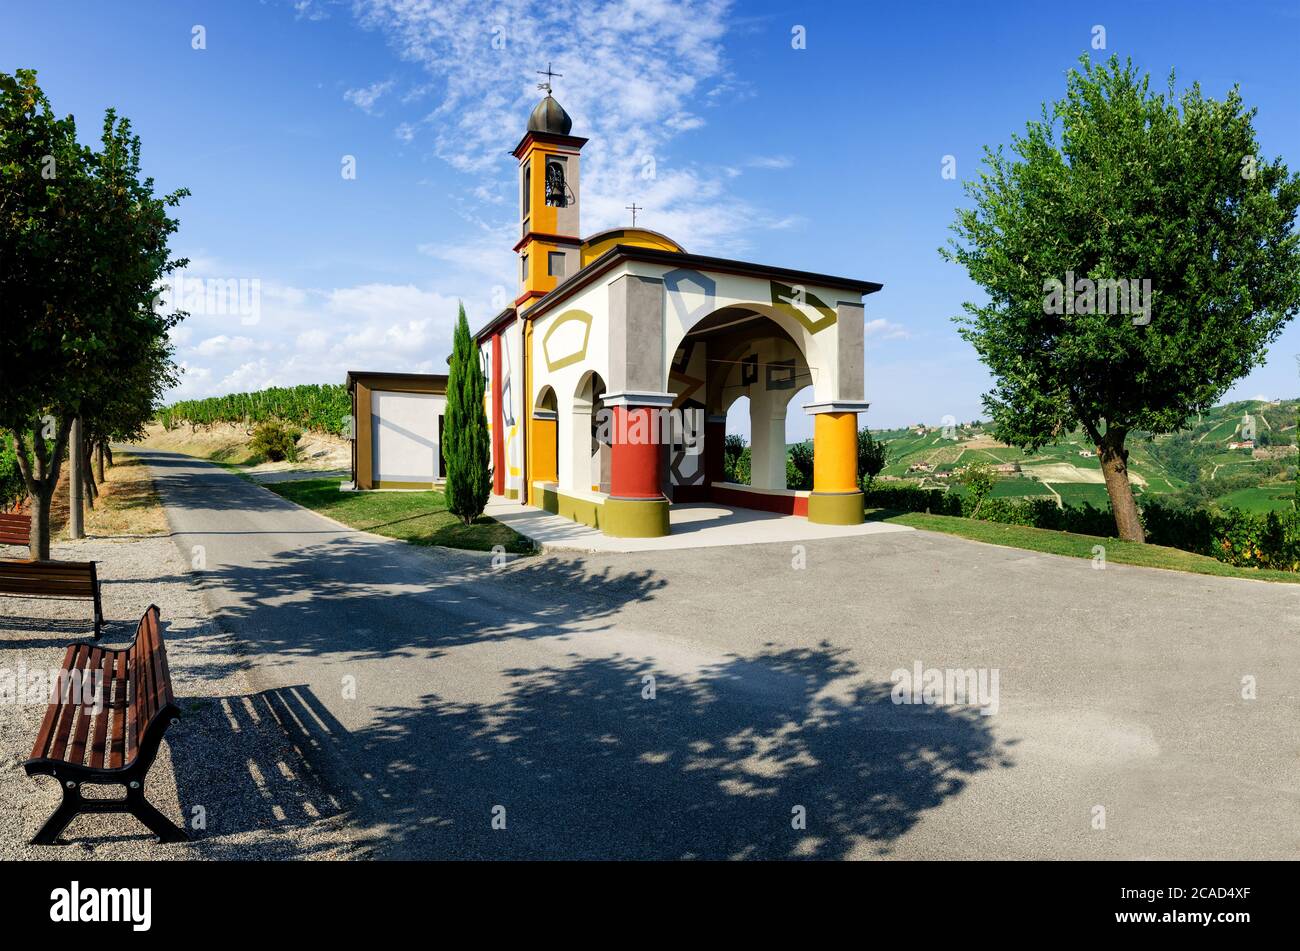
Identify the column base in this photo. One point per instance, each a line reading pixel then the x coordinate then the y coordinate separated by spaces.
pixel 634 518
pixel 836 508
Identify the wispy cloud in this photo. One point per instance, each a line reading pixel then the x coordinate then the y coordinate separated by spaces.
pixel 883 329
pixel 770 161
pixel 637 74
pixel 365 97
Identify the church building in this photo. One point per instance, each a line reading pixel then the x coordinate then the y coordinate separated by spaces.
pixel 610 377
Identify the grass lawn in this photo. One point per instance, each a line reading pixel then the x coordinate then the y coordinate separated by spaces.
pixel 1260 498
pixel 420 518
pixel 1080 546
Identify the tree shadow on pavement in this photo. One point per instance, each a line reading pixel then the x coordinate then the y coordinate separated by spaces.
pixel 586 766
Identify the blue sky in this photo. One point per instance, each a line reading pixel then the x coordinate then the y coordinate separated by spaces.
pixel 826 158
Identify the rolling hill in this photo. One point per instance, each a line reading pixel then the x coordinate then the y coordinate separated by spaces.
pixel 1196 463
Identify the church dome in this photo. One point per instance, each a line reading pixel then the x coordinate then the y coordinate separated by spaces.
pixel 549 116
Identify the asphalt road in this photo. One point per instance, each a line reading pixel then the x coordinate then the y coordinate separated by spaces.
pixel 443 697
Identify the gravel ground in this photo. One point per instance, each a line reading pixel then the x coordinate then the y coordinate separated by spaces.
pixel 234 761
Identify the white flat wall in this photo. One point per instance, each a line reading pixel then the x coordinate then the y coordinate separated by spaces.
pixel 405 427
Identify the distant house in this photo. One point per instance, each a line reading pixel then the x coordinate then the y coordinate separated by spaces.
pixel 921 467
pixel 1007 468
pixel 1244 444
pixel 1087 453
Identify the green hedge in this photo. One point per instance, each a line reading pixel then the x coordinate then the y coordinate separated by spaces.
pixel 1245 539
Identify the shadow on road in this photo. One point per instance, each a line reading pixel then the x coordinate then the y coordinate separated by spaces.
pixel 581 765
pixel 718 764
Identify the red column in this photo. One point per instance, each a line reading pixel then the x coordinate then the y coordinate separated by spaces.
pixel 635 454
pixel 498 422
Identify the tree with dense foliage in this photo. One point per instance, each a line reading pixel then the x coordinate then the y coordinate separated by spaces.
pixel 83 249
pixel 873 456
pixel 735 459
pixel 979 480
pixel 465 431
pixel 1139 255
pixel 799 466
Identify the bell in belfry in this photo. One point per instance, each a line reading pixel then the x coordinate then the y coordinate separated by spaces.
pixel 556 190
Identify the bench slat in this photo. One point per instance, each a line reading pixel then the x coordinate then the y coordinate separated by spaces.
pixel 77 751
pixel 101 724
pixel 157 681
pixel 68 710
pixel 116 753
pixel 74 589
pixel 51 711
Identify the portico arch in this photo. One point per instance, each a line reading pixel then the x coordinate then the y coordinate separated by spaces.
pixel 737 352
pixel 590 444
pixel 543 439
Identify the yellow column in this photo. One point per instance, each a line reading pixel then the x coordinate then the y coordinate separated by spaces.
pixel 835 498
pixel 542 441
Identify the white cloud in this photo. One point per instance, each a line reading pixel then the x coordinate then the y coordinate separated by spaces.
pixel 886 330
pixel 633 71
pixel 365 97
pixel 247 378
pixel 214 346
pixel 769 161
pixel 315 335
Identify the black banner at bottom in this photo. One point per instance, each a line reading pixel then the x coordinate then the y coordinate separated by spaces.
pixel 216 900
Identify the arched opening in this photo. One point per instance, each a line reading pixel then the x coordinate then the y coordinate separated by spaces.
pixel 544 438
pixel 736 450
pixel 738 359
pixel 591 435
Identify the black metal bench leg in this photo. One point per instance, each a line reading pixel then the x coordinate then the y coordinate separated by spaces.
pixel 158 824
pixel 57 822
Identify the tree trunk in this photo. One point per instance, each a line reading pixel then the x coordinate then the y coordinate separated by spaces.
pixel 92 488
pixel 1114 466
pixel 41 473
pixel 99 462
pixel 38 541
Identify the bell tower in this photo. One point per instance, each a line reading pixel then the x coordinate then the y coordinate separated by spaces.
pixel 549 240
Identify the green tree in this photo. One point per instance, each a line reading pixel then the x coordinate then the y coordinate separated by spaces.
pixel 1115 182
pixel 734 451
pixel 83 249
pixel 978 479
pixel 799 466
pixel 873 456
pixel 465 433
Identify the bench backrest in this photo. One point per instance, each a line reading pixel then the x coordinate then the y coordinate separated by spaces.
pixel 49 579
pixel 15 529
pixel 151 679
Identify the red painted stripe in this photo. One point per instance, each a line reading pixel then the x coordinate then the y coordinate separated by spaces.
pixel 498 422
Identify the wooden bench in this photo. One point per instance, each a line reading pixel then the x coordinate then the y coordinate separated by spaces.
pixel 109 736
pixel 15 529
pixel 74 580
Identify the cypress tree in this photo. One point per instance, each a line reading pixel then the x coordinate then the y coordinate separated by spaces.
pixel 465 432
